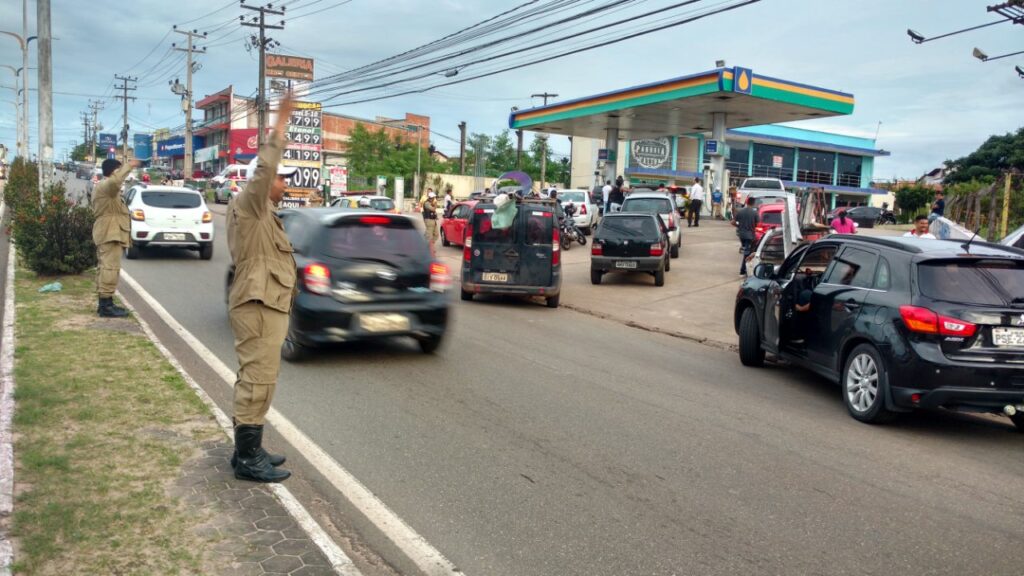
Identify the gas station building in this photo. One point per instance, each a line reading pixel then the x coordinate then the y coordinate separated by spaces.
pixel 721 125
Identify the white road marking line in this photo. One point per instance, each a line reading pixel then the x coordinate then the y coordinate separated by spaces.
pixel 7 408
pixel 427 558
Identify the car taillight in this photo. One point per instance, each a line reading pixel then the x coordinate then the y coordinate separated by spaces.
pixel 759 229
pixel 596 249
pixel 467 245
pixel 234 188
pixel 138 215
pixel 657 249
pixel 556 249
pixel 440 280
pixel 317 278
pixel 207 217
pixel 924 321
pixel 671 221
pixel 583 209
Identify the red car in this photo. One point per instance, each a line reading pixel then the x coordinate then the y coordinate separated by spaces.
pixel 453 227
pixel 768 216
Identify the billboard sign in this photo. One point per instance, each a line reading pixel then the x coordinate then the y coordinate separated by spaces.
pixel 339 180
pixel 244 143
pixel 303 150
pixel 143 144
pixel 175 146
pixel 653 153
pixel 107 141
pixel 289 67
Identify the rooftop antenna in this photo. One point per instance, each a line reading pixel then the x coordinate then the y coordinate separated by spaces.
pixel 967 245
pixel 877 128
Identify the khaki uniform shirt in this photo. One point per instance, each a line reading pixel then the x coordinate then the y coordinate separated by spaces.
pixel 113 222
pixel 260 250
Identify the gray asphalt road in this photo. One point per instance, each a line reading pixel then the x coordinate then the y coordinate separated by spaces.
pixel 546 442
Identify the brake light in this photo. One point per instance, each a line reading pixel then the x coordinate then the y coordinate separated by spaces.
pixel 138 215
pixel 657 249
pixel 375 220
pixel 467 244
pixel 583 209
pixel 234 188
pixel 759 229
pixel 440 280
pixel 207 217
pixel 924 321
pixel 671 221
pixel 556 249
pixel 317 278
pixel 596 249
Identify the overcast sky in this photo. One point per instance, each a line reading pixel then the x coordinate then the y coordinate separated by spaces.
pixel 935 101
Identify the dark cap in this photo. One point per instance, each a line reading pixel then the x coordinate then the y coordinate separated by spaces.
pixel 109 166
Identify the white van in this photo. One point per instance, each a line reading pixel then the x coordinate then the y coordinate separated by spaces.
pixel 230 172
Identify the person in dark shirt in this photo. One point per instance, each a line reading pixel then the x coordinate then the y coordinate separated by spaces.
pixel 745 223
pixel 616 198
pixel 938 207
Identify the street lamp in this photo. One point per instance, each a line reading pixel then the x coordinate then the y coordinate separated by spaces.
pixel 23 42
pixel 918 38
pixel 985 57
pixel 1020 71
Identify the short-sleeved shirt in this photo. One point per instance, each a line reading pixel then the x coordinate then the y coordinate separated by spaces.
pixel 925 236
pixel 939 207
pixel 697 192
pixel 746 221
pixel 716 197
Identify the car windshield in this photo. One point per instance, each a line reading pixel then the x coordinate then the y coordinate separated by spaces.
pixel 771 218
pixel 988 283
pixel 650 205
pixel 171 199
pixel 376 238
pixel 628 228
pixel 762 185
pixel 574 197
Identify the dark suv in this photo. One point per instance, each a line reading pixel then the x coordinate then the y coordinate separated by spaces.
pixel 900 323
pixel 362 275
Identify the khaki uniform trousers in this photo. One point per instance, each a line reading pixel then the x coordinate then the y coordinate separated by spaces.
pixel 108 268
pixel 259 333
pixel 431 233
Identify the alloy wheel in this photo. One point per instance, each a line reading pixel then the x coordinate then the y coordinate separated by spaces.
pixel 862 382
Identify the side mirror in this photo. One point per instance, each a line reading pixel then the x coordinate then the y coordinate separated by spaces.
pixel 764 271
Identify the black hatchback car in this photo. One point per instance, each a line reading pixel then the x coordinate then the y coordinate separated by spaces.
pixel 362 275
pixel 900 323
pixel 630 242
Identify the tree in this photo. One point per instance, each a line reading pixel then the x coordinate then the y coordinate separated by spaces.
pixel 81 152
pixel 990 161
pixel 373 153
pixel 912 198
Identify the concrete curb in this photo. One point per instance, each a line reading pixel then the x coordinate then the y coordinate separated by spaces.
pixel 7 412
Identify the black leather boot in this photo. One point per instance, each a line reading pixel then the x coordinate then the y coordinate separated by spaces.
pixel 107 309
pixel 252 463
pixel 275 459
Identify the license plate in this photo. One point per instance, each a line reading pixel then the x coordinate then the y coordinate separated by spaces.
pixel 1012 337
pixel 494 277
pixel 174 237
pixel 384 322
pixel 625 264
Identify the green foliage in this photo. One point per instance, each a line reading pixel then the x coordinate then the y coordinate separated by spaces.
pixel 81 153
pixel 997 155
pixel 22 185
pixel 373 153
pixel 912 199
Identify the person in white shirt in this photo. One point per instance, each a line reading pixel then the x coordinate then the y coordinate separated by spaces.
pixel 696 201
pixel 605 192
pixel 920 229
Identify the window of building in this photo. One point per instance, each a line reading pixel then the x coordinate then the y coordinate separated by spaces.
pixel 815 166
pixel 739 158
pixel 849 170
pixel 773 161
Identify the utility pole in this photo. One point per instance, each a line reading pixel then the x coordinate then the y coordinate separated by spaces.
pixel 187 96
pixel 124 87
pixel 1005 220
pixel 45 95
pixel 95 106
pixel 462 148
pixel 519 148
pixel 85 127
pixel 260 22
pixel 543 140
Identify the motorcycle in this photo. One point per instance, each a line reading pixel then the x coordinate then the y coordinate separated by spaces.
pixel 569 230
pixel 886 216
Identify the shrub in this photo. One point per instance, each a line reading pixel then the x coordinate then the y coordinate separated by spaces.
pixel 55 237
pixel 22 187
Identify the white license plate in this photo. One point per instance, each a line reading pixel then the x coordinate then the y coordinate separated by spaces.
pixel 494 277
pixel 174 236
pixel 1012 337
pixel 625 264
pixel 384 322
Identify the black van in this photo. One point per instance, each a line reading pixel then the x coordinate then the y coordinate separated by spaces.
pixel 523 259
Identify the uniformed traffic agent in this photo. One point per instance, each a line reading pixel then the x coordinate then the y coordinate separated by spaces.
pixel 110 233
pixel 430 219
pixel 259 302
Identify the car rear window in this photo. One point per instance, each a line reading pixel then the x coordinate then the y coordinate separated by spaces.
pixel 771 218
pixel 762 185
pixel 652 205
pixel 375 238
pixel 574 197
pixel 988 283
pixel 383 204
pixel 171 199
pixel 628 228
pixel 485 232
pixel 539 224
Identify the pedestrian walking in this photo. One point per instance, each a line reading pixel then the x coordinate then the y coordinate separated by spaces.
pixel 716 204
pixel 745 223
pixel 429 210
pixel 843 225
pixel 260 301
pixel 448 202
pixel 605 193
pixel 110 233
pixel 696 202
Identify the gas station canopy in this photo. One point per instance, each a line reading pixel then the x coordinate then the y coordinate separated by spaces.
pixel 686 105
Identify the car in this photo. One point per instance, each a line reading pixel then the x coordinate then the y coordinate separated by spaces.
pixel 228 190
pixel 586 210
pixel 899 323
pixel 759 184
pixel 1014 239
pixel 763 197
pixel 94 178
pixel 230 172
pixel 768 216
pixel 455 222
pixel 630 242
pixel 862 216
pixel 83 171
pixel 362 276
pixel 169 217
pixel 523 259
pixel 379 203
pixel 663 205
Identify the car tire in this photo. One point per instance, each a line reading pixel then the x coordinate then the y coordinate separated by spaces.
pixel 668 264
pixel 595 277
pixel 291 350
pixel 206 251
pixel 444 239
pixel 659 276
pixel 751 352
pixel 552 301
pixel 864 384
pixel 466 296
pixel 675 251
pixel 133 250
pixel 430 344
pixel 1018 421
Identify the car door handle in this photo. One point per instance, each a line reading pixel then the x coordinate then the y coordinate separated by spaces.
pixel 852 304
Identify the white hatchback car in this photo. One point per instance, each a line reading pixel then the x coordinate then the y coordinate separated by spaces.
pixel 169 216
pixel 662 204
pixel 586 211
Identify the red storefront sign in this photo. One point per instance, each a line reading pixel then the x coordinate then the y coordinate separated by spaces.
pixel 243 143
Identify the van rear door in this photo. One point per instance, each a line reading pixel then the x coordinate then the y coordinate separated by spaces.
pixel 538 249
pixel 495 253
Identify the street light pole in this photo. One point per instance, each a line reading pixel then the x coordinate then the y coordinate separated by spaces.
pixel 45 95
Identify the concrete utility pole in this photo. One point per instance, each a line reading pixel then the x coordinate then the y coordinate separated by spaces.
pixel 543 141
pixel 260 22
pixel 519 148
pixel 19 117
pixel 124 87
pixel 45 94
pixel 95 106
pixel 462 148
pixel 187 97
